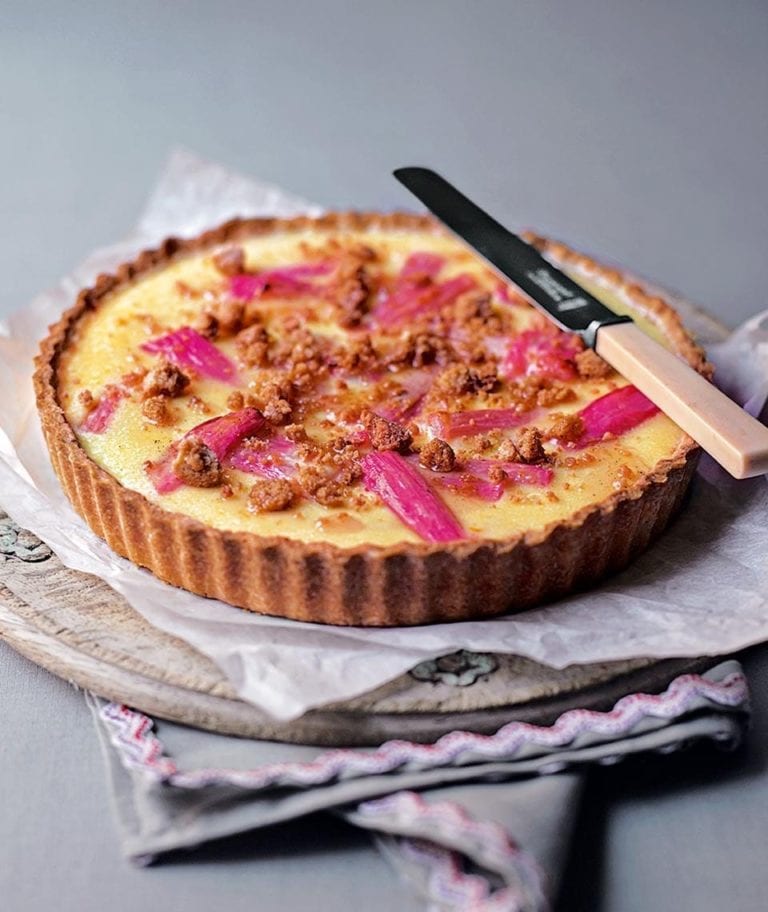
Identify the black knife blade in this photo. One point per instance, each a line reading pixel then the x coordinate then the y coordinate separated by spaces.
pixel 562 299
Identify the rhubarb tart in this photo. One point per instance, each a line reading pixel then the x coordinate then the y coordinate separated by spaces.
pixel 351 420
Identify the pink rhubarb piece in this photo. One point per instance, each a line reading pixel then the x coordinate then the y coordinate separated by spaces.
pixel 220 435
pixel 285 281
pixel 185 347
pixel 469 485
pixel 542 353
pixel 405 406
pixel 416 291
pixel 516 472
pixel 476 421
pixel 472 478
pixel 615 413
pixel 272 458
pixel 99 418
pixel 409 496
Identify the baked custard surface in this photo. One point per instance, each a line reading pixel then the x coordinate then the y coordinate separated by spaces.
pixel 310 417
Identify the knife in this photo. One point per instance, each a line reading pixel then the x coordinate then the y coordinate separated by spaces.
pixel 729 434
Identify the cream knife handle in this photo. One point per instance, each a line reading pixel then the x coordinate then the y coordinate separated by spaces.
pixel 730 435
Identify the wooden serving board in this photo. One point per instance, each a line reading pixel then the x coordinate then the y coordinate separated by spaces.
pixel 75 626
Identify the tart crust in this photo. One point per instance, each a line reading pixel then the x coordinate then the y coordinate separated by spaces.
pixel 403 584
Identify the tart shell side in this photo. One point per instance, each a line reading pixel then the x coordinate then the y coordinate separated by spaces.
pixel 401 585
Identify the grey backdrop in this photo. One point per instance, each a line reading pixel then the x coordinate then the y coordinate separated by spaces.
pixel 636 130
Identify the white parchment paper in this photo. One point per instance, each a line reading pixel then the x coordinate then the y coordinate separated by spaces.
pixel 702 589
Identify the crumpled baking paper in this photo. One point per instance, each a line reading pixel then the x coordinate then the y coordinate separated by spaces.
pixel 701 589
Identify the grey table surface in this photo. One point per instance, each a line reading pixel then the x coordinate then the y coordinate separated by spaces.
pixel 638 131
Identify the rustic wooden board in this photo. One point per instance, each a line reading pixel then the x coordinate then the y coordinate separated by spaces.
pixel 75 626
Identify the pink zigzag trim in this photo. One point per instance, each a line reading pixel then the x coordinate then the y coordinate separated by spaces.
pixel 131 733
pixel 448 883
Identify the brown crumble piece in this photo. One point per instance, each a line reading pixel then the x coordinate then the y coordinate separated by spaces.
pixel 199 405
pixel 351 291
pixel 87 400
pixel 235 401
pixel 527 442
pixel 230 261
pixel 554 393
pixel 300 353
pixel 332 494
pixel 152 325
pixel 207 325
pixel 310 478
pixel 186 290
pixel 276 411
pixel 496 475
pixel 157 410
pixel 270 495
pixel 477 307
pixel 591 366
pixel 225 315
pixel 386 435
pixel 508 451
pixel 419 349
pixel 227 491
pixel 253 346
pixel 438 456
pixel 459 379
pixel 164 380
pixel 196 464
pixel 566 428
pixel 361 355
pixel 295 432
pixel 272 396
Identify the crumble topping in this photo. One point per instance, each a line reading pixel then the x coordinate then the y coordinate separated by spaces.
pixel 418 350
pixel 527 443
pixel 352 290
pixel 386 435
pixel 207 325
pixel 156 410
pixel 269 495
pixel 438 456
pixel 459 379
pixel 253 346
pixel 226 316
pixel 230 261
pixel 351 376
pixel 87 401
pixel 164 380
pixel 566 428
pixel 590 365
pixel 198 405
pixel 197 465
